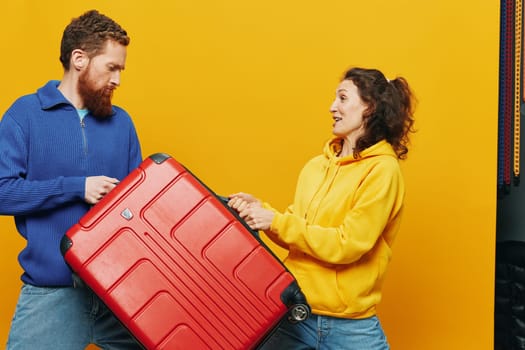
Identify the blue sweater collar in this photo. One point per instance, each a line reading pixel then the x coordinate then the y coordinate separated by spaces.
pixel 50 96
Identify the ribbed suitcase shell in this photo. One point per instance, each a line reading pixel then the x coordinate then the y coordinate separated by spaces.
pixel 176 266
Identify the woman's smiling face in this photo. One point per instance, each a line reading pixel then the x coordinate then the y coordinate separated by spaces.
pixel 347 112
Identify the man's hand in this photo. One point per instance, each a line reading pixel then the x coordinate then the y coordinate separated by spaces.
pixel 97 187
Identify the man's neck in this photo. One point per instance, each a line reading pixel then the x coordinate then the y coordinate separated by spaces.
pixel 68 88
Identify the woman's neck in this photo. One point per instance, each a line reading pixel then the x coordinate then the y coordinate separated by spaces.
pixel 347 148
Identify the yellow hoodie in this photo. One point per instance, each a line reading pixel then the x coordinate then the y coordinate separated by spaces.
pixel 340 228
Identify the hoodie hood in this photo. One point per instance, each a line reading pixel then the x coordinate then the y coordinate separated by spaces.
pixel 333 147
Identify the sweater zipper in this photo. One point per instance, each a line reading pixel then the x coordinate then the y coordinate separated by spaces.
pixel 84 139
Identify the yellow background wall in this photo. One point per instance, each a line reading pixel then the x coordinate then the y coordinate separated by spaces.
pixel 239 92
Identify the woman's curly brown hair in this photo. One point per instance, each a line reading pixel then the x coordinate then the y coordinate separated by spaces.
pixel 389 115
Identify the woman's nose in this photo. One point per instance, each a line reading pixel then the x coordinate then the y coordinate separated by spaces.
pixel 333 106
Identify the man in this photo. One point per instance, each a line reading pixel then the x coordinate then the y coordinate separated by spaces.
pixel 61 150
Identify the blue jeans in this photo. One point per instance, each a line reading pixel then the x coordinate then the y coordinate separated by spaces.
pixel 65 319
pixel 328 333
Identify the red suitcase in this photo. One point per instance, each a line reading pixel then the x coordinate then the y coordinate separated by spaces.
pixel 177 267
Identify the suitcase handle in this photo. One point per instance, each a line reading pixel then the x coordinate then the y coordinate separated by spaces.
pixel 225 201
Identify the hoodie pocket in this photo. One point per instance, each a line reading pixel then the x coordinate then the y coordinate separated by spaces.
pixel 359 284
pixel 319 284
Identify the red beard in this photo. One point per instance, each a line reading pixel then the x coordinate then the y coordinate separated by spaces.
pixel 96 101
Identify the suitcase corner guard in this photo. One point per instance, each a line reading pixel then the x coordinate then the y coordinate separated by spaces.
pixel 65 244
pixel 159 157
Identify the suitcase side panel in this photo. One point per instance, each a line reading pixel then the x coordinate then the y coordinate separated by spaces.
pixel 179 273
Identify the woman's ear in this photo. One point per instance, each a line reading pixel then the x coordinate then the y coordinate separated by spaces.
pixel 79 59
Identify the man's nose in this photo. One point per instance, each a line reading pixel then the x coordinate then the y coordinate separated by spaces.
pixel 115 78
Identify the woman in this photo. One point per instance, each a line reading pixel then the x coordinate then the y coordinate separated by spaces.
pixel 345 215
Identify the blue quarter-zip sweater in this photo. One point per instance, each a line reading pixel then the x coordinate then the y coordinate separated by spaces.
pixel 46 153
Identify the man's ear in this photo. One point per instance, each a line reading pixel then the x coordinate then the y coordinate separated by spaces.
pixel 79 59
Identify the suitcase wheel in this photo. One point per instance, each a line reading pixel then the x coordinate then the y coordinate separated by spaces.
pixel 299 313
